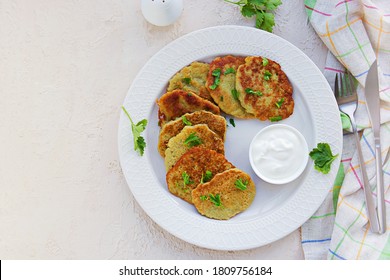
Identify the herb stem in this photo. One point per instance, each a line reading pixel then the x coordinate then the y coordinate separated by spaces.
pixel 237 3
pixel 127 114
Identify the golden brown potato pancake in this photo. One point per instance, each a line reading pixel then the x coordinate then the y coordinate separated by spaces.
pixel 264 89
pixel 215 122
pixel 198 165
pixel 192 78
pixel 225 93
pixel 192 136
pixel 226 195
pixel 174 104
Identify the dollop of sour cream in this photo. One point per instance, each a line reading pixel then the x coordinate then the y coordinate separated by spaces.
pixel 278 153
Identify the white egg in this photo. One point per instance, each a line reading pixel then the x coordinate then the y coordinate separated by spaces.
pixel 161 12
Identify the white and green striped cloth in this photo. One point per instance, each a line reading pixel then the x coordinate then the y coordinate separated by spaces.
pixel 356 33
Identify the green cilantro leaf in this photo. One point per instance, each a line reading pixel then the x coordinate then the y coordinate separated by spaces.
pixel 275 119
pixel 232 122
pixel 185 120
pixel 217 74
pixel 279 103
pixel 141 145
pixel 267 75
pixel 216 199
pixel 271 5
pixel 203 197
pixel 265 61
pixel 235 94
pixel 256 2
pixel 193 140
pixel 268 22
pixel 251 91
pixel 141 125
pixel 230 71
pixel 260 9
pixel 187 81
pixel 259 19
pixel 241 185
pixel 186 179
pixel 137 129
pixel 248 11
pixel 323 157
pixel 206 177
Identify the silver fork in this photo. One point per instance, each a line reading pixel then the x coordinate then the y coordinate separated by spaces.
pixel 347 100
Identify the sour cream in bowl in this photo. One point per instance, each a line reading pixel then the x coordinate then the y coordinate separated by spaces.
pixel 278 154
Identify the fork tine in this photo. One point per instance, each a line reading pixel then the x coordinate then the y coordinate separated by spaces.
pixel 352 83
pixel 345 92
pixel 348 87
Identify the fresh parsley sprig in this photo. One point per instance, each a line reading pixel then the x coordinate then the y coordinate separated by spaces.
pixel 279 103
pixel 186 179
pixel 193 140
pixel 251 91
pixel 275 119
pixel 267 75
pixel 217 80
pixel 323 157
pixel 186 80
pixel 229 71
pixel 241 185
pixel 235 94
pixel 232 122
pixel 206 177
pixel 137 129
pixel 216 199
pixel 261 9
pixel 185 120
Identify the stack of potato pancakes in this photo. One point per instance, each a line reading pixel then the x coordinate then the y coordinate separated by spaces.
pixel 193 132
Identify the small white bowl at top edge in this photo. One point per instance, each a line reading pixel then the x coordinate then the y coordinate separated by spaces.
pixel 161 12
pixel 287 171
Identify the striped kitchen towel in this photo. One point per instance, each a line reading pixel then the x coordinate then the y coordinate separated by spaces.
pixel 356 33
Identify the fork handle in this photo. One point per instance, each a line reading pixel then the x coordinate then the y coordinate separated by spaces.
pixel 371 209
pixel 380 188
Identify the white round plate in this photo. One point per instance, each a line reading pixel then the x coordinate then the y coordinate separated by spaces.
pixel 277 209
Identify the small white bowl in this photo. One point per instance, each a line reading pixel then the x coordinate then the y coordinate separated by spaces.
pixel 278 154
pixel 161 12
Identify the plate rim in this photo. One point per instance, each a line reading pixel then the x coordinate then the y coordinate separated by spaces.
pixel 140 199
